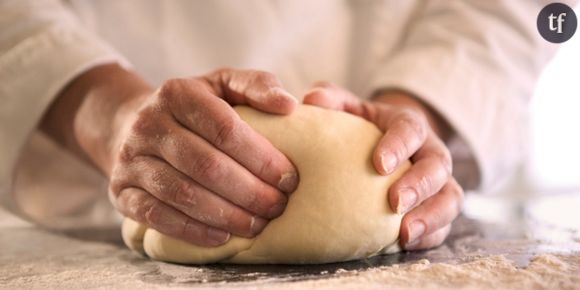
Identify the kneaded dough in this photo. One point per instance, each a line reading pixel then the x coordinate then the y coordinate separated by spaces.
pixel 339 211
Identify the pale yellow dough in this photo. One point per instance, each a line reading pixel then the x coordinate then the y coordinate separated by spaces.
pixel 339 212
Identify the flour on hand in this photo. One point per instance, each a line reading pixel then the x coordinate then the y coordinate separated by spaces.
pixel 339 211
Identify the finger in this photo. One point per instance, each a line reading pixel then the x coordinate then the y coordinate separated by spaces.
pixel 331 96
pixel 144 208
pixel 215 121
pixel 434 213
pixel 430 171
pixel 434 148
pixel 405 132
pixel 321 95
pixel 216 171
pixel 259 89
pixel 431 240
pixel 179 191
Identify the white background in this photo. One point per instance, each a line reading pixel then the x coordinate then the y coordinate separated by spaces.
pixel 554 164
pixel 545 194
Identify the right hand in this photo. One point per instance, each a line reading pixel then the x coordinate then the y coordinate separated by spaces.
pixel 186 165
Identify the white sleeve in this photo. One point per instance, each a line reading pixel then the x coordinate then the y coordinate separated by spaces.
pixel 476 63
pixel 42 47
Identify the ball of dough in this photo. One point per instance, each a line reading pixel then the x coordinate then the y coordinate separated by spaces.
pixel 339 211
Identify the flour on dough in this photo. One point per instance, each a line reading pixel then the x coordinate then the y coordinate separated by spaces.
pixel 339 212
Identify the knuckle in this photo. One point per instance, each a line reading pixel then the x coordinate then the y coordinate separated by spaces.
pixel 414 121
pixel 162 183
pixel 264 77
pixel 119 180
pixel 146 133
pixel 230 220
pixel 222 216
pixel 401 148
pixel 255 201
pixel 185 194
pixel 439 218
pixel 176 146
pixel 157 177
pixel 134 204
pixel 266 166
pixel 425 186
pixel 126 152
pixel 226 132
pixel 456 188
pixel 115 186
pixel 168 89
pixel 209 167
pixel 186 227
pixel 444 158
pixel 223 70
pixel 145 123
pixel 153 214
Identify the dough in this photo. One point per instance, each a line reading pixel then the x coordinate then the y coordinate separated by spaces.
pixel 339 212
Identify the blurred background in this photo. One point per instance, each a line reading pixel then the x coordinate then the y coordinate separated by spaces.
pixel 555 120
pixel 547 188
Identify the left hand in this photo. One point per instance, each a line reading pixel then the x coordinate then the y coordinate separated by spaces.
pixel 427 193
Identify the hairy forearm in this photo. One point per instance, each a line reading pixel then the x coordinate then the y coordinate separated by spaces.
pixel 83 116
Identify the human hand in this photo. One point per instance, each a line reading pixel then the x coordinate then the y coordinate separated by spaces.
pixel 185 164
pixel 427 193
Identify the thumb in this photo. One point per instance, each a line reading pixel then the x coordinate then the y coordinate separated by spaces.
pixel 258 89
pixel 331 96
pixel 321 97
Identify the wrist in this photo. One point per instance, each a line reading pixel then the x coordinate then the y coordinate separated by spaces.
pixel 99 121
pixel 85 118
pixel 401 98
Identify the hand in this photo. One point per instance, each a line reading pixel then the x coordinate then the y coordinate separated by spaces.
pixel 427 193
pixel 180 160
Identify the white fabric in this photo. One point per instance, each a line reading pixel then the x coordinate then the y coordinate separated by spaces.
pixel 474 61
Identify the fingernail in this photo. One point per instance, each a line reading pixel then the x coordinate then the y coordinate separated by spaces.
pixel 217 236
pixel 407 199
pixel 257 224
pixel 276 210
pixel 389 161
pixel 288 182
pixel 416 230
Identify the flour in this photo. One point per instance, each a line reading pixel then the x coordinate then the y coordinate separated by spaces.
pixel 495 272
pixel 38 259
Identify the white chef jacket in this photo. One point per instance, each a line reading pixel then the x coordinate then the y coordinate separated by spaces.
pixel 475 62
